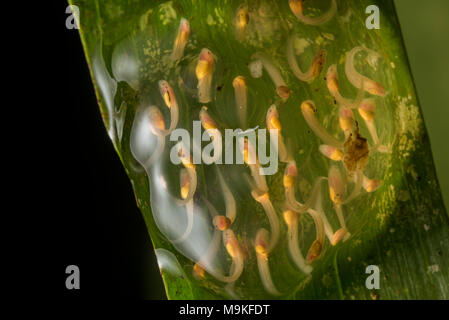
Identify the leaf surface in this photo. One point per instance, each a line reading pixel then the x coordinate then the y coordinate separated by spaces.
pixel 402 227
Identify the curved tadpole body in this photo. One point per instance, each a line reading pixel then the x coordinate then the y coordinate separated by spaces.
pixel 358 80
pixel 204 70
pixel 289 179
pixel 370 185
pixel 230 205
pixel 221 223
pixel 212 249
pixel 240 91
pixel 332 85
pixel 334 238
pixel 198 271
pixel 290 174
pixel 224 222
pixel 346 120
pixel 157 126
pixel 291 218
pixel 187 161
pixel 317 245
pixel 336 185
pixel 264 200
pixel 281 88
pixel 340 234
pixel 235 251
pixel 358 180
pixel 366 111
pixel 297 7
pixel 169 97
pixel 241 22
pixel 336 193
pixel 315 68
pixel 181 39
pixel 261 246
pixel 211 128
pixel 185 187
pixel 331 152
pixel 273 123
pixel 250 158
pixel 308 111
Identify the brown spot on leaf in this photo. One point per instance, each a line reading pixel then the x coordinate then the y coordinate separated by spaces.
pixel 356 151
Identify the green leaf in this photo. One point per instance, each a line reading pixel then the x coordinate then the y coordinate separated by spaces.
pixel 402 227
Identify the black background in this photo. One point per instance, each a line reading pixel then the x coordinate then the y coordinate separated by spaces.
pixel 90 217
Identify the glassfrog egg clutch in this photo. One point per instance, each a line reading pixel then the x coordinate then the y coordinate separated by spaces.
pixel 276 148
